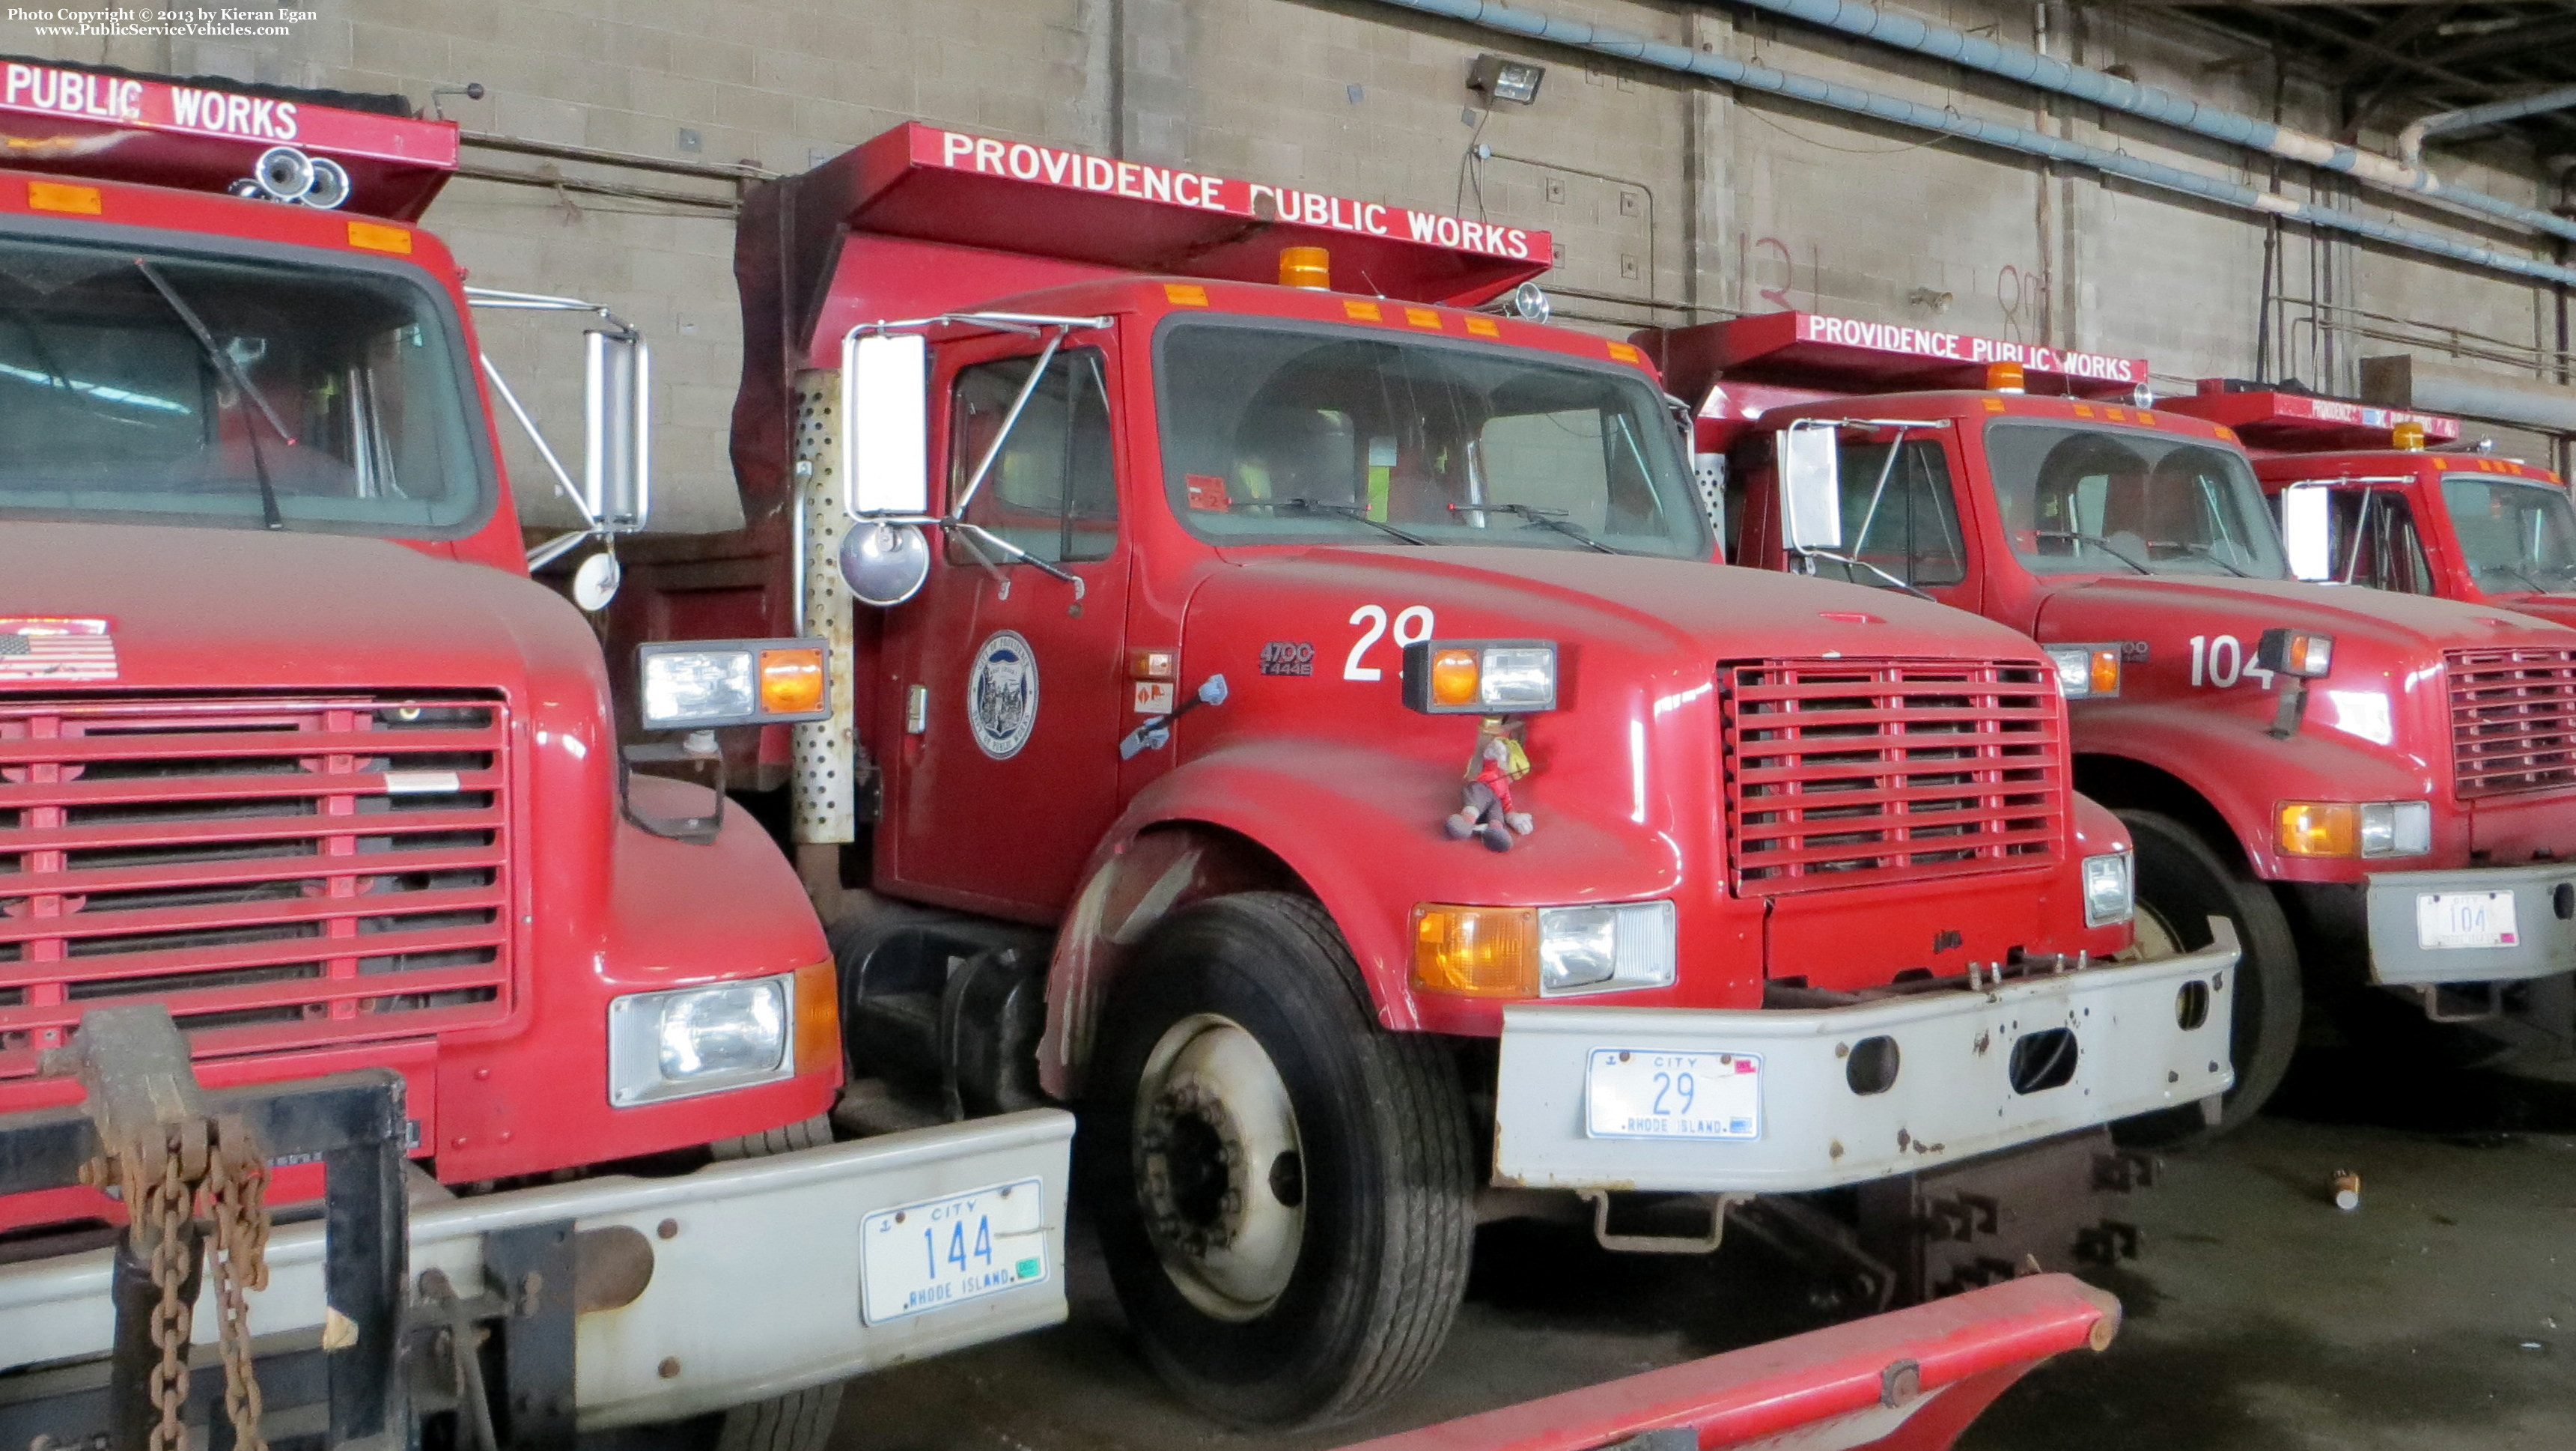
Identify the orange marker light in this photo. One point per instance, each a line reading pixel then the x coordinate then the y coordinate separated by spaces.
pixel 1153 664
pixel 58 196
pixel 1305 267
pixel 2005 377
pixel 2106 672
pixel 1476 952
pixel 1453 677
pixel 791 681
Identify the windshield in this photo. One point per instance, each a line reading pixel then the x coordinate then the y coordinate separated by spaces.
pixel 2516 538
pixel 179 388
pixel 1301 435
pixel 2096 500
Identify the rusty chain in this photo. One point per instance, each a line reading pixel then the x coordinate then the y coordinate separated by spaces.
pixel 219 1159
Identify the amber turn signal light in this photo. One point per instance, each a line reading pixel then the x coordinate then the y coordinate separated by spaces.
pixel 2301 653
pixel 791 680
pixel 1476 952
pixel 2320 828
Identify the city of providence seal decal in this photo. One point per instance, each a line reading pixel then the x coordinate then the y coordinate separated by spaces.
pixel 1002 694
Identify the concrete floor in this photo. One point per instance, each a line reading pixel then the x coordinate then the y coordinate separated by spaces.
pixel 2440 1315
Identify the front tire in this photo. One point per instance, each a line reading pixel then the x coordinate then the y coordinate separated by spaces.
pixel 2182 883
pixel 1284 1189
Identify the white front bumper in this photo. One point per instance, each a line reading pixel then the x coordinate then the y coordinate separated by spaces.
pixel 1952 1097
pixel 756 1294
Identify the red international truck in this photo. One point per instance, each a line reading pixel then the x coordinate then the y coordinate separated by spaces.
pixel 293 751
pixel 1294 717
pixel 2373 788
pixel 2387 498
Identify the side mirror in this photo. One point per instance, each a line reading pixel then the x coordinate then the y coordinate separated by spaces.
pixel 885 421
pixel 617 450
pixel 1811 487
pixel 2307 531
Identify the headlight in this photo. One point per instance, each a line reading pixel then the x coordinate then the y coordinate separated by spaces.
pixel 1520 952
pixel 1480 677
pixel 2086 671
pixel 2110 889
pixel 2300 653
pixel 699 1040
pixel 698 684
pixel 2347 829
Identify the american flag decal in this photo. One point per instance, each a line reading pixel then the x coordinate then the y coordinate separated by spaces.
pixel 41 651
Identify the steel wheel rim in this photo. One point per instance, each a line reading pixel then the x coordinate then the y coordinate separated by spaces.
pixel 1220 1169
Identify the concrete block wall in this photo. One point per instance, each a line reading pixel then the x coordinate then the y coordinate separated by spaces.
pixel 1671 200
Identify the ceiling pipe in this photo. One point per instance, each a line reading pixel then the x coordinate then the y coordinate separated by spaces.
pixel 2154 103
pixel 2410 142
pixel 1664 55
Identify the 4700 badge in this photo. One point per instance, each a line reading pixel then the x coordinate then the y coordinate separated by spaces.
pixel 943 1252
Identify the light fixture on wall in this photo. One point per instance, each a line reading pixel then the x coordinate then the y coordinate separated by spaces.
pixel 1503 79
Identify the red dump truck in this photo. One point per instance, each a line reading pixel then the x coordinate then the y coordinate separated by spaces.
pixel 2391 499
pixel 1285 707
pixel 294 753
pixel 2374 788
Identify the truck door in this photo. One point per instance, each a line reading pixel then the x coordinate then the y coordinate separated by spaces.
pixel 1902 517
pixel 1009 693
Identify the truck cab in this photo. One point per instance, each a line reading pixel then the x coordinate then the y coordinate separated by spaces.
pixel 1295 719
pixel 2390 499
pixel 293 748
pixel 2361 780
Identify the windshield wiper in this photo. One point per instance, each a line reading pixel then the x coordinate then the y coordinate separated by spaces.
pixel 269 514
pixel 1850 561
pixel 2516 571
pixel 2098 542
pixel 1350 511
pixel 1540 519
pixel 2205 551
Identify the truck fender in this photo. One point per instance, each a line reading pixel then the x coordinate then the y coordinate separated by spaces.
pixel 1279 816
pixel 2237 769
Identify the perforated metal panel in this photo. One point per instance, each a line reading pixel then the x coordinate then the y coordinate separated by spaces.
pixel 826 751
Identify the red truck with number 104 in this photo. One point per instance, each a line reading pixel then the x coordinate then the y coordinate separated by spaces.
pixel 293 748
pixel 1288 710
pixel 2373 787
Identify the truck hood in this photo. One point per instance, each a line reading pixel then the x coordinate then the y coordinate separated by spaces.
pixel 1705 611
pixel 2113 607
pixel 2557 609
pixel 238 609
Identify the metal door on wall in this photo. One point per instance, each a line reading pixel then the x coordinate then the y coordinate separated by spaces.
pixel 1012 687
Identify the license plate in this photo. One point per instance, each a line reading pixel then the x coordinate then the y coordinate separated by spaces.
pixel 2464 919
pixel 1632 1093
pixel 944 1252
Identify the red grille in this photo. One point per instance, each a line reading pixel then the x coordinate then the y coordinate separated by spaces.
pixel 278 872
pixel 1846 772
pixel 2513 720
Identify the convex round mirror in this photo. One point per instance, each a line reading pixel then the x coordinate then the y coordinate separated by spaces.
pixel 885 564
pixel 595 583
